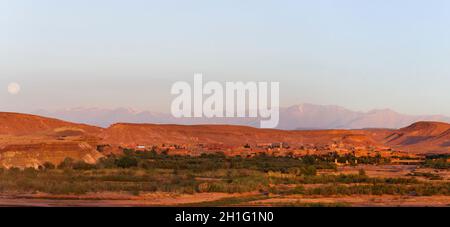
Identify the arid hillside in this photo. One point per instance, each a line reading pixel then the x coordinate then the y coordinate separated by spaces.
pixel 25 124
pixel 132 134
pixel 29 140
pixel 422 137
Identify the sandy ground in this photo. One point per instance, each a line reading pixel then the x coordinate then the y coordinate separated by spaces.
pixel 166 199
pixel 359 201
pixel 113 199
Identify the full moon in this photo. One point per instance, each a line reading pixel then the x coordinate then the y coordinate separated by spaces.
pixel 13 88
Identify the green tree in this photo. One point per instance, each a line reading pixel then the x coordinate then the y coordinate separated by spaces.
pixel 66 164
pixel 126 162
pixel 49 165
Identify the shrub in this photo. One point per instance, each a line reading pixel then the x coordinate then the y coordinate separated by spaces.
pixel 67 163
pixel 203 187
pixel 440 163
pixel 126 162
pixel 107 162
pixel 362 172
pixel 310 171
pixel 48 165
pixel 81 165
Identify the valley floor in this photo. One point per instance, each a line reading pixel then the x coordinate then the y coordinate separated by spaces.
pixel 360 186
pixel 221 199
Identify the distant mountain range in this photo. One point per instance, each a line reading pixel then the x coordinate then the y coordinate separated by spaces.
pixel 311 116
pixel 303 116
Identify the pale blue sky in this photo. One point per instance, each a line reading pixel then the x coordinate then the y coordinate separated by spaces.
pixel 360 54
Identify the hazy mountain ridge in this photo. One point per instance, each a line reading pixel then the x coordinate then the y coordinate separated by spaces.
pixel 303 116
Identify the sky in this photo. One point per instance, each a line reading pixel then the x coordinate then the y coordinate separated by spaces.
pixel 360 54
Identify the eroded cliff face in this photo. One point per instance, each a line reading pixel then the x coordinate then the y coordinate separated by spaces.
pixel 30 141
pixel 36 154
pixel 35 159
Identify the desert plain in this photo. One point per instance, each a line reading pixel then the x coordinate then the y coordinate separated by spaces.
pixel 49 162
